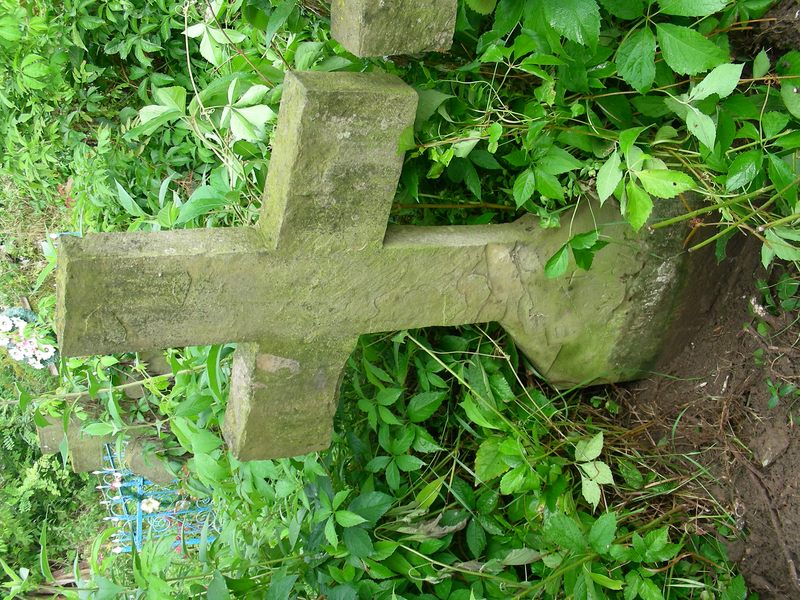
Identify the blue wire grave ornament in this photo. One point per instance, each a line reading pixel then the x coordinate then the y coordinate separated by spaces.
pixel 142 510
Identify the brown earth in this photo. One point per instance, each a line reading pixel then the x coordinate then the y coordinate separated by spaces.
pixel 711 401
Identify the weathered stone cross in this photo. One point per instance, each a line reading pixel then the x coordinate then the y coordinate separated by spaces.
pixel 322 267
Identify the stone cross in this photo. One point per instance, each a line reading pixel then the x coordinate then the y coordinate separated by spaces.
pixel 323 267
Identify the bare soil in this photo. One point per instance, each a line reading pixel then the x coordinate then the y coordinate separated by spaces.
pixel 711 401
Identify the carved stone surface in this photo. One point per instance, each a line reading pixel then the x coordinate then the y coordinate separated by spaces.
pixel 389 27
pixel 85 451
pixel 322 267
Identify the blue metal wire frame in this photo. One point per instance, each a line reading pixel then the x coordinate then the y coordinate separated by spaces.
pixel 141 509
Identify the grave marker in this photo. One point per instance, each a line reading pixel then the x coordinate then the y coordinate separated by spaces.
pixel 322 267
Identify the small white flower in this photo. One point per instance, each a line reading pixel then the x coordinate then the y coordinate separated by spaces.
pixel 150 505
pixel 4 341
pixel 20 324
pixel 6 324
pixel 16 354
pixel 35 364
pixel 45 352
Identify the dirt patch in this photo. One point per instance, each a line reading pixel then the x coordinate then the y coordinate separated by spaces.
pixel 728 400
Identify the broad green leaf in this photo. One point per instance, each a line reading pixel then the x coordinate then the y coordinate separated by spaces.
pixel 783 176
pixel 388 396
pixel 330 533
pixel 524 186
pixel 217 588
pixel 701 126
pixel 627 139
pixel 598 472
pixel 590 491
pixel 202 201
pixel 513 481
pixel 744 168
pixel 558 161
pixel 686 51
pixel 479 415
pixel 772 123
pixel 278 18
pixel 636 59
pixel 548 185
pixel 429 101
pixel 589 449
pixel 482 7
pixel 624 9
pixel 761 64
pixel 557 264
pixel 280 586
pixel 606 582
pixel 691 8
pixel 210 49
pixel 603 532
pixel 127 202
pixel 781 247
pixel 174 97
pixel 507 16
pixel 429 493
pixel 345 518
pixel 638 206
pixel 521 556
pixel 608 177
pixel 576 20
pixel 408 463
pixel 423 405
pixel 584 241
pixel 559 529
pixel 371 506
pixel 722 80
pixel 98 429
pixel 664 183
pixel 489 462
pixel 476 538
pixel 649 590
pixel 791 98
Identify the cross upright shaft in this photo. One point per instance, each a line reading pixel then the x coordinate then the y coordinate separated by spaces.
pixel 322 267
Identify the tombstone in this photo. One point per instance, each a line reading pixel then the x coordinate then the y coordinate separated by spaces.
pixel 85 451
pixel 322 267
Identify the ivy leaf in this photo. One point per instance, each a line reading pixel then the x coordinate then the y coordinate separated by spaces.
pixel 489 461
pixel 791 98
pixel 576 20
pixel 624 9
pixel 557 264
pixel 701 126
pixel 686 51
pixel 524 186
pixel 482 7
pixel 638 207
pixel 636 59
pixel 761 64
pixel 664 183
pixel 589 449
pixel 722 80
pixel 691 8
pixel 608 177
pixel 743 170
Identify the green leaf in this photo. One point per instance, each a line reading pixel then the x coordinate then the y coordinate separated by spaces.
pixel 357 542
pixel 606 582
pixel 722 80
pixel 280 586
pixel 429 493
pixel 524 186
pixel 371 506
pixel 559 529
pixel 576 20
pixel 701 126
pixel 345 518
pixel 691 8
pixel 603 532
pixel 476 538
pixel 127 202
pixel 686 51
pixel 636 59
pixel 44 562
pixel 790 94
pixel 624 9
pixel 783 176
pixel 558 161
pixel 423 405
pixel 429 101
pixel 521 556
pixel 277 19
pixel 557 264
pixel 548 185
pixel 608 177
pixel 590 491
pixel 508 14
pixel 638 206
pixel 479 414
pixel 173 97
pixel 330 533
pixel 772 123
pixel 408 463
pixel 388 396
pixel 218 588
pixel 744 168
pixel 649 590
pixel 589 449
pixel 598 472
pixel 202 201
pixel 98 429
pixel 780 246
pixel 664 183
pixel 482 7
pixel 761 64
pixel 489 461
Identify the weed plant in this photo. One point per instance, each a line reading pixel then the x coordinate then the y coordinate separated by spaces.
pixel 455 474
